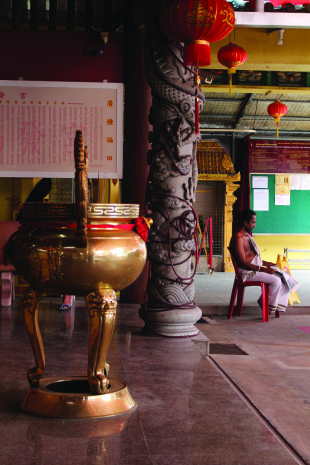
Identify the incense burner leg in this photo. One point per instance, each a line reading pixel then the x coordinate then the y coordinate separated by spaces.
pixel 30 304
pixel 101 307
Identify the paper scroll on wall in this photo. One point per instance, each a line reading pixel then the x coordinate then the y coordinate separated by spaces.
pixel 39 121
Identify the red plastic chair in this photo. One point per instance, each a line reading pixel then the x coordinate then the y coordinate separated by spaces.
pixel 239 287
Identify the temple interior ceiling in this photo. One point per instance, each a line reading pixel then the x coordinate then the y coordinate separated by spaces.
pixel 271 72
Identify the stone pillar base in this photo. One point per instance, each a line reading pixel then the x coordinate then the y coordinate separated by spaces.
pixel 171 323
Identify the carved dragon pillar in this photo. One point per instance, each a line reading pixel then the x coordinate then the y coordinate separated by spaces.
pixel 170 310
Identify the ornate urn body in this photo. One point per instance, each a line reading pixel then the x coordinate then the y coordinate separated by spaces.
pixel 46 254
pixel 89 250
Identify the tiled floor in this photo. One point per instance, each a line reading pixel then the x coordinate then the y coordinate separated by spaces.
pixel 273 372
pixel 188 412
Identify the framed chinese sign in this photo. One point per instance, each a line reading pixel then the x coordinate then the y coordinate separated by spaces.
pixel 38 121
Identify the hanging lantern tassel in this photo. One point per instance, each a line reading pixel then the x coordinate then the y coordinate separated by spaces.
pixel 231 71
pixel 277 120
pixel 196 113
pixel 231 56
pixel 197 53
pixel 197 84
pixel 277 109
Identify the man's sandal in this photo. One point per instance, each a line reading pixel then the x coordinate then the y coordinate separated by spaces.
pixel 64 307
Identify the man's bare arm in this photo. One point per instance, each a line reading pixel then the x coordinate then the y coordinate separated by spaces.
pixel 238 246
pixel 268 263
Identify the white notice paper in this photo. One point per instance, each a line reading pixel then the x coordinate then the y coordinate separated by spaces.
pixel 281 199
pixel 295 182
pixel 260 182
pixel 261 199
pixel 305 182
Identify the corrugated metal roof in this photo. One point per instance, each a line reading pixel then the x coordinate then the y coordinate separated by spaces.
pixel 244 111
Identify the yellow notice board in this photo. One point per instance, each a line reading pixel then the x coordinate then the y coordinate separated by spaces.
pixel 282 263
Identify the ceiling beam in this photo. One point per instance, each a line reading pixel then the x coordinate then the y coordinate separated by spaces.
pixel 241 89
pixel 205 130
pixel 243 108
pixel 273 20
pixel 257 131
pixel 253 99
pixel 247 117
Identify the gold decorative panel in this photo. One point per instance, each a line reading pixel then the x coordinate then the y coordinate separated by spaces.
pixel 213 159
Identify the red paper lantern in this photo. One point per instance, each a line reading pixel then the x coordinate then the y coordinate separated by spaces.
pixel 277 110
pixel 197 23
pixel 231 56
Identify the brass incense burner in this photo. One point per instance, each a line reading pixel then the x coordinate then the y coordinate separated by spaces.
pixel 89 250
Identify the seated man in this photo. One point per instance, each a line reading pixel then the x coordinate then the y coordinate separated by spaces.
pixel 252 267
